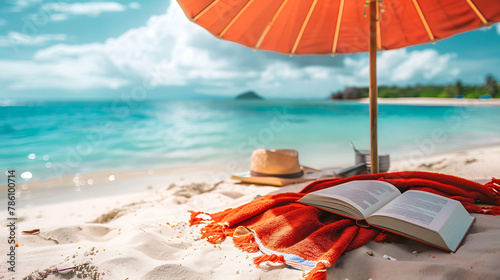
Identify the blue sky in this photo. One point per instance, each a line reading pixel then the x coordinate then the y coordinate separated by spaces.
pixel 103 50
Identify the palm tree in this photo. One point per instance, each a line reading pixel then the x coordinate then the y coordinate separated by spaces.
pixel 491 86
pixel 459 88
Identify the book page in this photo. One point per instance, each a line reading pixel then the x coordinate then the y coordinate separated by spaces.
pixel 366 196
pixel 421 208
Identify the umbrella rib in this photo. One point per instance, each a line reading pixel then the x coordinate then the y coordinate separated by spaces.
pixel 304 24
pixel 424 21
pixel 476 10
pixel 223 32
pixel 337 28
pixel 264 34
pixel 205 10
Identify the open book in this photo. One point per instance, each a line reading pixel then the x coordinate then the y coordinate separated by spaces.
pixel 423 216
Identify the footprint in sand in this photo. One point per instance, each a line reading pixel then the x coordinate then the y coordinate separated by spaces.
pixel 117 212
pixel 177 271
pixel 470 161
pixel 156 249
pixel 433 165
pixel 74 234
pixel 190 190
pixel 107 217
pixel 233 194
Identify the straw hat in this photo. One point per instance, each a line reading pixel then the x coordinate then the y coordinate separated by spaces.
pixel 278 168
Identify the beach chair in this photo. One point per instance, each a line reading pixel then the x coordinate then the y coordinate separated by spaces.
pixel 359 168
pixel 364 156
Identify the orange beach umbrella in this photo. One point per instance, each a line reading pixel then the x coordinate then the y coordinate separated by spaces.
pixel 321 27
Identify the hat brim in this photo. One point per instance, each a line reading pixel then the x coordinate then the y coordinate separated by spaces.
pixel 310 174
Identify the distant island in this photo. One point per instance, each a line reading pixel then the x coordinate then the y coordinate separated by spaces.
pixel 490 89
pixel 249 95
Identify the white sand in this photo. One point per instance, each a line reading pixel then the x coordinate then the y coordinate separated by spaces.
pixel 139 236
pixel 436 101
pixel 145 235
pixel 473 164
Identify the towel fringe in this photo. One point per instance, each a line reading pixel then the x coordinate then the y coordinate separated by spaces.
pixel 194 220
pixel 494 185
pixel 213 233
pixel 268 258
pixel 317 273
pixel 494 210
pixel 246 243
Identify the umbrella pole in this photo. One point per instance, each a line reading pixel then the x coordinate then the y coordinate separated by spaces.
pixel 373 86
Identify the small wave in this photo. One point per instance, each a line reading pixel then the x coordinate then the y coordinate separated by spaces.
pixel 7 103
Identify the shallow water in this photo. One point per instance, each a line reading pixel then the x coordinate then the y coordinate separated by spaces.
pixel 80 137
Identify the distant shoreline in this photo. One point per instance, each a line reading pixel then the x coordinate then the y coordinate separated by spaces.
pixel 429 101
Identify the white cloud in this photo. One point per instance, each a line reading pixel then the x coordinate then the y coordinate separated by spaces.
pixel 175 52
pixel 172 51
pixel 134 5
pixel 62 11
pixel 15 39
pixel 59 11
pixel 279 73
pixel 58 17
pixel 82 73
pixel 88 9
pixel 401 66
pixel 19 5
pixel 488 28
pixel 169 48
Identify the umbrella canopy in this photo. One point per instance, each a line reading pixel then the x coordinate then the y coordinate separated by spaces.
pixel 320 27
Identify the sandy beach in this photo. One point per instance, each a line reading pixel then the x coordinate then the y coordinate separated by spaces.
pixel 145 234
pixel 424 101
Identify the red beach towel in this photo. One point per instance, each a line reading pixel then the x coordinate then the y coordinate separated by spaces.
pixel 311 239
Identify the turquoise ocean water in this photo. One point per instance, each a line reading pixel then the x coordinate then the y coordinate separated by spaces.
pixel 63 139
